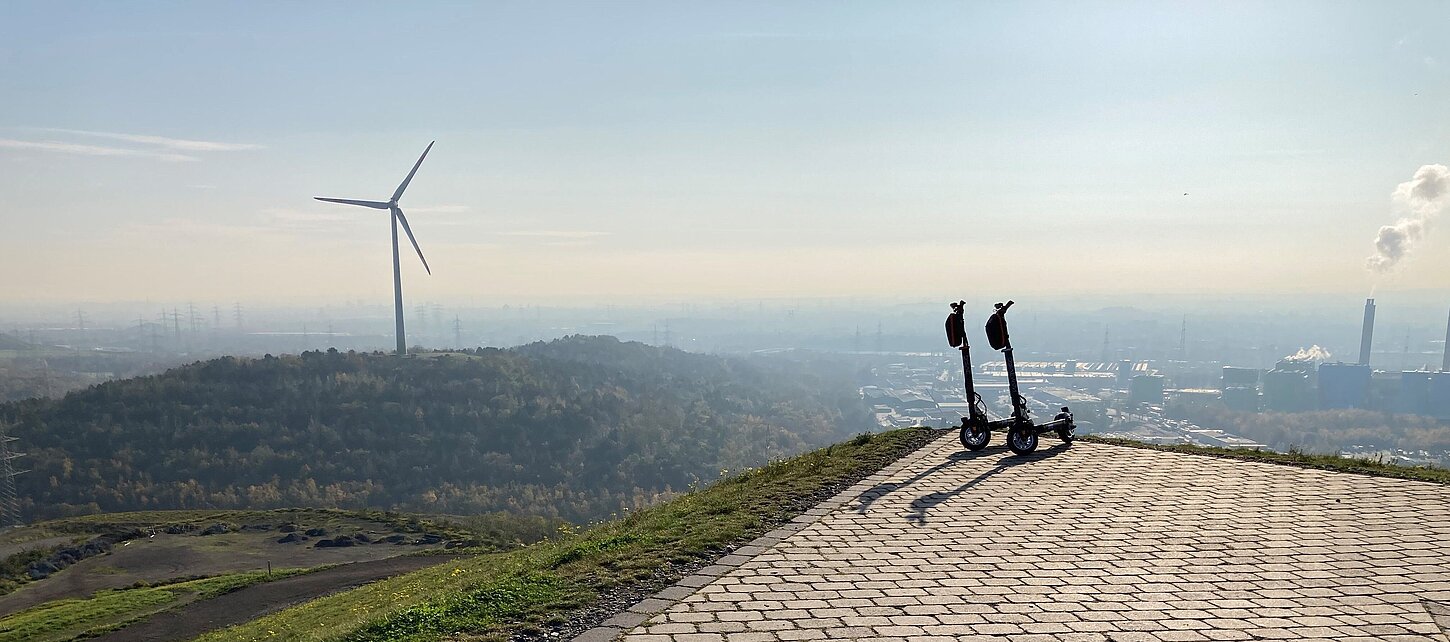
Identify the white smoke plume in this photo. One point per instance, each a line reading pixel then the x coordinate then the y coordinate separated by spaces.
pixel 1311 353
pixel 1421 199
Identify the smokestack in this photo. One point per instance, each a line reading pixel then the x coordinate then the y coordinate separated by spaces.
pixel 1445 362
pixel 1368 337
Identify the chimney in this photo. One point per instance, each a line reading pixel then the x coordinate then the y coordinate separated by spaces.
pixel 1445 363
pixel 1367 337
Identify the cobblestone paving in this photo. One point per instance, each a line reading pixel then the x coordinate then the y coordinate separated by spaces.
pixel 1088 542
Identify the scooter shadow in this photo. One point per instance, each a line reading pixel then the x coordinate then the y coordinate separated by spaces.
pixel 922 505
pixel 864 500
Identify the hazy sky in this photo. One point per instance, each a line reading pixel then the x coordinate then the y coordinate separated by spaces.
pixel 727 149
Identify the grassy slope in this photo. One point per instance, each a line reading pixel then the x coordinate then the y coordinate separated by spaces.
pixel 492 596
pixel 111 522
pixel 477 531
pixel 107 610
pixel 1294 458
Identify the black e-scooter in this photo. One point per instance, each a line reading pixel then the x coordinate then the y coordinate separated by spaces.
pixel 976 429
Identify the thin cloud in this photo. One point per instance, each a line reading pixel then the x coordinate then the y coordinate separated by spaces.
pixel 573 243
pixel 436 209
pixel 557 234
pixel 179 144
pixel 58 147
pixel 189 230
pixel 305 218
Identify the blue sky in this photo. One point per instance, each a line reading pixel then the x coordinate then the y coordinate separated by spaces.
pixel 611 150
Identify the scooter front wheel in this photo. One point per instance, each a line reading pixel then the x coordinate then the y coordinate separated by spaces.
pixel 1067 434
pixel 1022 439
pixel 974 438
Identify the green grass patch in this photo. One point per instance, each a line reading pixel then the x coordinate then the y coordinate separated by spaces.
pixel 1295 458
pixel 403 522
pixel 107 610
pixel 494 596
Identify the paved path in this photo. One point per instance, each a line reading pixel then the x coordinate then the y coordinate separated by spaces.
pixel 1091 542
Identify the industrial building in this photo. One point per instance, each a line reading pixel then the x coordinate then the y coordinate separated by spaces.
pixel 1439 406
pixel 1414 395
pixel 1241 399
pixel 1289 389
pixel 1126 370
pixel 1344 385
pixel 1234 377
pixel 1146 389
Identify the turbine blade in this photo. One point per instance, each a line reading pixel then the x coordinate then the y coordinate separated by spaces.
pixel 377 205
pixel 398 212
pixel 399 194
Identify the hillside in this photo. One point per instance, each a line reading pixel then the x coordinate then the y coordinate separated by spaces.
pixel 578 428
pixel 928 547
pixel 552 589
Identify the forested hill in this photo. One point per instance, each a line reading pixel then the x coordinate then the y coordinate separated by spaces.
pixel 576 428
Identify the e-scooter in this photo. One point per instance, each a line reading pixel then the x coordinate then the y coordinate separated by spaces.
pixel 976 429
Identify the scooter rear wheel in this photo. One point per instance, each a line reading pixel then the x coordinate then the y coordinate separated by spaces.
pixel 1022 439
pixel 975 439
pixel 1066 434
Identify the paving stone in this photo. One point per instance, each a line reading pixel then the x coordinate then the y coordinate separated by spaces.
pixel 598 634
pixel 1083 543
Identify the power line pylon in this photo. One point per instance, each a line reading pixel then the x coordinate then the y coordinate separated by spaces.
pixel 9 498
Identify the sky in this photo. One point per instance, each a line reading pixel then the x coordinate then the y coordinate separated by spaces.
pixel 647 151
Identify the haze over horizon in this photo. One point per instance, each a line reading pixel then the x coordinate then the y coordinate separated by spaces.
pixel 659 150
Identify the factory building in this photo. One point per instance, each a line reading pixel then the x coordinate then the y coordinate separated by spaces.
pixel 1126 370
pixel 1241 399
pixel 1146 389
pixel 1344 385
pixel 1414 395
pixel 1288 390
pixel 1234 377
pixel 1384 391
pixel 1439 406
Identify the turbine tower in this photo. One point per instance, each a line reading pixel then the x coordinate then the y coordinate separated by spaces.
pixel 397 217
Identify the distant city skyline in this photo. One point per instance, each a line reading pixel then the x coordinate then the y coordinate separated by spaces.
pixel 662 151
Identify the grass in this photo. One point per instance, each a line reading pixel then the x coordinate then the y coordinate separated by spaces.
pixel 107 522
pixel 482 535
pixel 108 610
pixel 1295 458
pixel 495 596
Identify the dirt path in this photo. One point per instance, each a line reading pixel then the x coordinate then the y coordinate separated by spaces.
pixel 191 620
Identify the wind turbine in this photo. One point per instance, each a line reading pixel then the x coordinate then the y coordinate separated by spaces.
pixel 397 217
